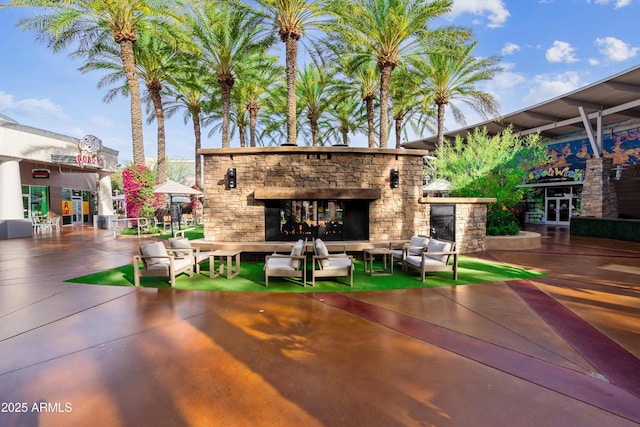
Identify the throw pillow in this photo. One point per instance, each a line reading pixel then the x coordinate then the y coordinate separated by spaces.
pixel 438 246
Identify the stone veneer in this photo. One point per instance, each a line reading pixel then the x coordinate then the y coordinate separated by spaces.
pixel 236 215
pixel 598 191
pixel 471 220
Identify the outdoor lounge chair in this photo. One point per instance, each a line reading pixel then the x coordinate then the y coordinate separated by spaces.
pixel 415 246
pixel 281 265
pixel 330 265
pixel 435 258
pixel 158 263
pixel 181 247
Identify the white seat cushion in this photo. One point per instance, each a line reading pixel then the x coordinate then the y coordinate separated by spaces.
pixel 280 263
pixel 338 263
pixel 177 243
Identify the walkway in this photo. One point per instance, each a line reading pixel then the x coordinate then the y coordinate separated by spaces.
pixel 561 350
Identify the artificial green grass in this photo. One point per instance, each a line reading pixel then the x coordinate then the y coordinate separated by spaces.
pixel 251 278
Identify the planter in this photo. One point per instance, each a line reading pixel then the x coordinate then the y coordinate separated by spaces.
pixel 522 240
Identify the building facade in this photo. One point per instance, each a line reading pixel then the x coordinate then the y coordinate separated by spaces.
pixel 45 174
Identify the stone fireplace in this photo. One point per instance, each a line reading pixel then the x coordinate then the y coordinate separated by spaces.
pixel 335 193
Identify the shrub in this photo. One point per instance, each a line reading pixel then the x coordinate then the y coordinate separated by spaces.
pixel 501 222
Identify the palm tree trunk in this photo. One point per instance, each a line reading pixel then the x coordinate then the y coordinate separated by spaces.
pixel 398 129
pixel 241 136
pixel 314 132
pixel 370 123
pixel 291 44
pixel 226 83
pixel 157 104
pixel 195 116
pixel 345 136
pixel 253 120
pixel 128 64
pixel 440 127
pixel 385 81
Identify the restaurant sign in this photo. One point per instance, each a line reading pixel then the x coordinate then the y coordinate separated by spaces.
pixel 90 148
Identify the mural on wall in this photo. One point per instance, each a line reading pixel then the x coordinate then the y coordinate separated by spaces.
pixel 569 158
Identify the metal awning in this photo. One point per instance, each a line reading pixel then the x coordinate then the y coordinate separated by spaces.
pixel 608 101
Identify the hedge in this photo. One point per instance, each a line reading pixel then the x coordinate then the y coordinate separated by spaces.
pixel 618 229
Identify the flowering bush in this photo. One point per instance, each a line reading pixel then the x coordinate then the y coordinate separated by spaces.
pixel 138 182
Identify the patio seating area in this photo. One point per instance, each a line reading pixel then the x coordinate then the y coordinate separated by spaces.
pixel 555 350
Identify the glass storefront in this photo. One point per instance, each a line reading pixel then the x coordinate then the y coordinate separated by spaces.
pixel 553 205
pixel 35 201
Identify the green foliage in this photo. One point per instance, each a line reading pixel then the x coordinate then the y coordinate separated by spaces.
pixel 491 166
pixel 501 222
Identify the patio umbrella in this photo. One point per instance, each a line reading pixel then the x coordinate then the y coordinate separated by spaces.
pixel 173 188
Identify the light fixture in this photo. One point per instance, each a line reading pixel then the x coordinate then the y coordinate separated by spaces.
pixel 395 178
pixel 231 177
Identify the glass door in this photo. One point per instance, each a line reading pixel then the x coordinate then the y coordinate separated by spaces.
pixel 77 211
pixel 558 210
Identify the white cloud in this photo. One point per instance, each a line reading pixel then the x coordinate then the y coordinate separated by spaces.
pixel 551 86
pixel 495 9
pixel 615 49
pixel 510 48
pixel 561 52
pixel 618 3
pixel 594 61
pixel 32 107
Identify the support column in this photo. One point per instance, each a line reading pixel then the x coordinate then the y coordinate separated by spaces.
pixel 105 202
pixel 599 198
pixel 12 221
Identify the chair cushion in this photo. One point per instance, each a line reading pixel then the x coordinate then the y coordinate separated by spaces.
pixel 155 249
pixel 415 242
pixel 180 243
pixel 438 246
pixel 297 249
pixel 321 250
pixel 338 262
pixel 279 263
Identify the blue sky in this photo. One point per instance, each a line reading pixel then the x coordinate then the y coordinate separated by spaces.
pixel 548 48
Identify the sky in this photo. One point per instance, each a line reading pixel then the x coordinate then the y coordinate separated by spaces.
pixel 547 48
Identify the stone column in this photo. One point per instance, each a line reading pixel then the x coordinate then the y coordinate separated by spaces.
pixel 599 198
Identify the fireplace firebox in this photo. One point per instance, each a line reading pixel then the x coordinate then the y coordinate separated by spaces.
pixel 288 220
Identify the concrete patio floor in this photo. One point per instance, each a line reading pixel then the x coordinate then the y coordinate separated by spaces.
pixel 560 350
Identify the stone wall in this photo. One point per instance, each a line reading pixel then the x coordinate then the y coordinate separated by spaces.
pixel 238 214
pixel 471 220
pixel 599 198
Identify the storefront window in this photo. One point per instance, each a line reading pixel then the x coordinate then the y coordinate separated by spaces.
pixel 35 200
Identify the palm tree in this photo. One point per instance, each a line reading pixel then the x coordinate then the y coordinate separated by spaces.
pixel 253 88
pixel 185 94
pixel 314 91
pixel 228 37
pixel 291 18
pixel 448 75
pixel 363 81
pixel 388 31
pixel 349 116
pixel 155 63
pixel 92 23
pixel 406 103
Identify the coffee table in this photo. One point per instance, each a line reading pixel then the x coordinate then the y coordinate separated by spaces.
pixel 387 259
pixel 222 254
